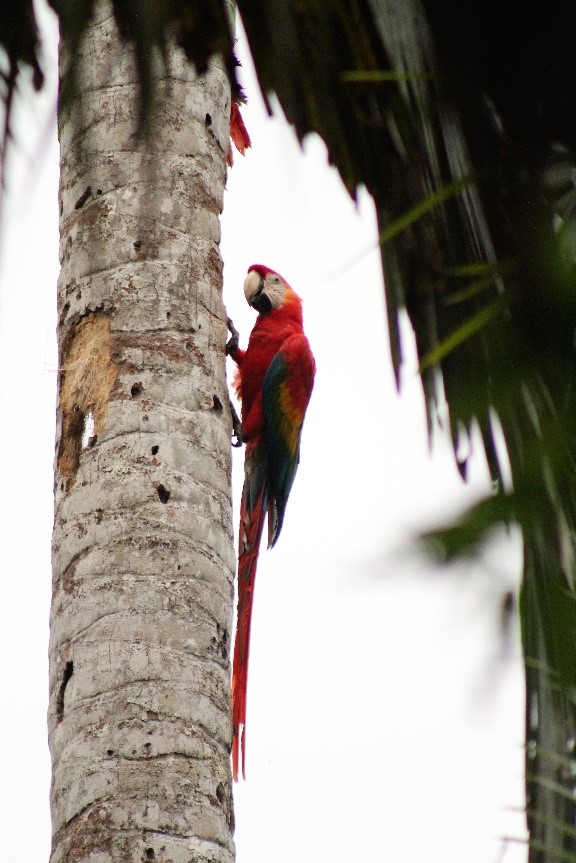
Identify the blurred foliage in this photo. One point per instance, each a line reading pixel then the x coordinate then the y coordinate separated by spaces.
pixel 459 119
pixel 19 50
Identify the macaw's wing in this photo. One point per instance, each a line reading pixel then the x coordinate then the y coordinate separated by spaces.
pixel 286 391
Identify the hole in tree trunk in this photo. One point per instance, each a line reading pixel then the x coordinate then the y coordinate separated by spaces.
pixel 163 493
pixel 68 672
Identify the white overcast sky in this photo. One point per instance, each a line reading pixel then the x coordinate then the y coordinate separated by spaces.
pixel 385 712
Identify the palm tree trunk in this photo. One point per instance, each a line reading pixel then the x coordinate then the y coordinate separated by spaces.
pixel 142 549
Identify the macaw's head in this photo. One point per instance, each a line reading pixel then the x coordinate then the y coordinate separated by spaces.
pixel 265 290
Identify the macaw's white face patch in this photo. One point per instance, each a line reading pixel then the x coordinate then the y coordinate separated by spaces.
pixel 264 293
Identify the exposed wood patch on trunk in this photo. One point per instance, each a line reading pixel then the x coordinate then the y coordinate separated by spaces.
pixel 87 377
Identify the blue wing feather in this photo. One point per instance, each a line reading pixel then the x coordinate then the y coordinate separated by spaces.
pixel 281 440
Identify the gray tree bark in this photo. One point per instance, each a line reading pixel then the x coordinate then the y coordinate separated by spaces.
pixel 143 556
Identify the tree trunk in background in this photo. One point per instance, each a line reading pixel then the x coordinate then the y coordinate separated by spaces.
pixel 142 550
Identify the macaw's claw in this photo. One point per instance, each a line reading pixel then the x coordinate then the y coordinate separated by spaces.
pixel 233 341
pixel 236 427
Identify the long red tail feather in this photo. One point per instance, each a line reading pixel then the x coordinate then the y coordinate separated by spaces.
pixel 251 524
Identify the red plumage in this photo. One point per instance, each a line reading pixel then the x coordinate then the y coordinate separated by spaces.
pixel 238 133
pixel 274 380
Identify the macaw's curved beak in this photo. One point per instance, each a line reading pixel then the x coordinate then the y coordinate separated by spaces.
pixel 260 301
pixel 262 304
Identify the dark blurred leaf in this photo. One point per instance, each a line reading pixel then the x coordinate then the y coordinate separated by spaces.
pixel 465 331
pixel 19 49
pixel 422 208
pixel 463 537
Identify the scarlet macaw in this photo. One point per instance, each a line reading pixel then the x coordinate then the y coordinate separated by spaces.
pixel 274 380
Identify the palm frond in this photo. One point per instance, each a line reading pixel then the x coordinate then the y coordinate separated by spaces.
pixel 465 331
pixel 430 202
